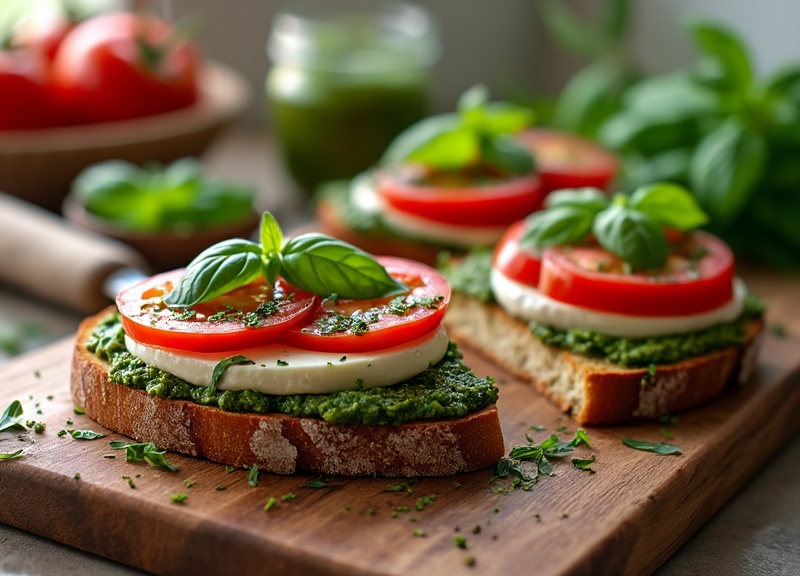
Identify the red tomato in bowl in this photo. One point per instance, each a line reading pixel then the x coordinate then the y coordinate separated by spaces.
pixel 25 96
pixel 380 324
pixel 42 30
pixel 121 65
pixel 461 201
pixel 229 322
pixel 565 160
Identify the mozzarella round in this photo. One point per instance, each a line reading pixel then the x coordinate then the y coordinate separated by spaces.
pixel 282 370
pixel 527 303
pixel 366 198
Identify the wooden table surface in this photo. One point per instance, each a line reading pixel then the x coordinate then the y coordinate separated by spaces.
pixel 758 532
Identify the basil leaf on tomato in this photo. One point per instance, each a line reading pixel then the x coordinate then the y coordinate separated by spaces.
pixel 568 218
pixel 436 141
pixel 590 199
pixel 326 266
pixel 507 155
pixel 670 204
pixel 632 235
pixel 217 270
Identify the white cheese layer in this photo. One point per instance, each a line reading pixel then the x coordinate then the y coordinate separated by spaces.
pixel 282 370
pixel 527 303
pixel 366 198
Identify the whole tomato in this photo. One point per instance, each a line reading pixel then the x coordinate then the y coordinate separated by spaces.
pixel 43 30
pixel 122 65
pixel 26 99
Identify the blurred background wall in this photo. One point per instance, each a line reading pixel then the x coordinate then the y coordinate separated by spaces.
pixel 504 43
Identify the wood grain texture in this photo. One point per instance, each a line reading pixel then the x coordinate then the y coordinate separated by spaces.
pixel 627 518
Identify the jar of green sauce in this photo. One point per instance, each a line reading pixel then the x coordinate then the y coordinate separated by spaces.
pixel 347 76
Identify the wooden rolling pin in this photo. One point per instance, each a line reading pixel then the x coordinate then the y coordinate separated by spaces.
pixel 45 256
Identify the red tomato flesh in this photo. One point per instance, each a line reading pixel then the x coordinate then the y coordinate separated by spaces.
pixel 147 320
pixel 514 261
pixel 389 330
pixel 459 201
pixel 698 277
pixel 565 160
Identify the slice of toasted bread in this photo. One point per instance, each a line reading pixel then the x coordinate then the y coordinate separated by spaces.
pixel 278 443
pixel 595 391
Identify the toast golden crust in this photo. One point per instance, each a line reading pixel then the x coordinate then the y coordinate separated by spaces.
pixel 278 443
pixel 593 391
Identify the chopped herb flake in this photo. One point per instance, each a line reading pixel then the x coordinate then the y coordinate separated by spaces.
pixel 660 448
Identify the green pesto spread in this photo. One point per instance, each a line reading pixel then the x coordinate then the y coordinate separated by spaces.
pixel 470 276
pixel 446 390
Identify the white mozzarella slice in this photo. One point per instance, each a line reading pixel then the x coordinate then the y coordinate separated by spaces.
pixel 283 370
pixel 527 303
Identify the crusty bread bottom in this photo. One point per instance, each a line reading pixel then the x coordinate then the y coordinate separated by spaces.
pixel 278 443
pixel 594 391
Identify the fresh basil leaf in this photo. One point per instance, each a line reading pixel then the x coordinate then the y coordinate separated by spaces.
pixel 144 452
pixel 327 266
pixel 505 154
pixel 584 464
pixel 557 226
pixel 471 103
pixel 11 419
pixel 504 118
pixel 725 168
pixel 633 236
pixel 430 134
pixel 660 448
pixel 85 434
pixel 590 199
pixel 12 455
pixel 728 51
pixel 222 366
pixel 670 204
pixel 271 235
pixel 217 270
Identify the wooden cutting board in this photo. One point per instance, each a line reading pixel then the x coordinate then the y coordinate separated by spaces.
pixel 626 518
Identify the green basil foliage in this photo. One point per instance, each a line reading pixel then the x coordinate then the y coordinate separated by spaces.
pixel 478 134
pixel 729 136
pixel 312 262
pixel 661 448
pixel 160 198
pixel 11 419
pixel 631 227
pixel 144 452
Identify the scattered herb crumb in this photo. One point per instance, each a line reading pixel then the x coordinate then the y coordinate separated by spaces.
pixel 347 508
pixel 288 497
pixel 282 362
pixel 179 498
pixel 110 457
pixel 229 469
pixel 219 487
pixel 61 433
pixel 69 422
pixel 778 330
pixel 475 529
pixel 460 541
pixel 189 483
pixel 77 476
pixel 418 533
pixel 271 501
pixel 469 560
pixel 252 476
pixel 456 484
pixel 370 511
pixel 77 409
pixel 130 481
pixel 584 464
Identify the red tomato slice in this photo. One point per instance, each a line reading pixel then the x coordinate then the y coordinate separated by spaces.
pixel 238 325
pixel 459 201
pixel 383 329
pixel 565 160
pixel 698 277
pixel 515 262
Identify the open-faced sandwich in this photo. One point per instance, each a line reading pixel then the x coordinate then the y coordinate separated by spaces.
pixel 299 354
pixel 614 308
pixel 456 181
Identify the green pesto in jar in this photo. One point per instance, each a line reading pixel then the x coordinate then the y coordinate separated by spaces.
pixel 446 390
pixel 470 276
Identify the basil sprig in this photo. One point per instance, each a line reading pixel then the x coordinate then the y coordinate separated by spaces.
pixel 313 262
pixel 631 227
pixel 478 133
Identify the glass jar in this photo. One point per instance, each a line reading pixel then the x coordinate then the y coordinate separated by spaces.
pixel 347 77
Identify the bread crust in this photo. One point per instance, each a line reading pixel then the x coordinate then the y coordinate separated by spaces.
pixel 278 443
pixel 330 223
pixel 594 391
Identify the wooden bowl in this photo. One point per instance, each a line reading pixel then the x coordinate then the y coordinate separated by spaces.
pixel 162 250
pixel 40 165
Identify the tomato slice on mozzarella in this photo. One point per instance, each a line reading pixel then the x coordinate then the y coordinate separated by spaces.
pixel 368 325
pixel 514 261
pixel 698 277
pixel 459 200
pixel 565 160
pixel 247 317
